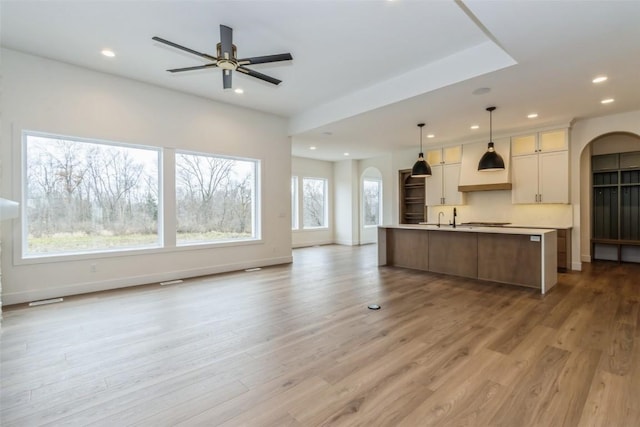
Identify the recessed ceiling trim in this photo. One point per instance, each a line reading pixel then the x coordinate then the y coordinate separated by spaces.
pixel 466 64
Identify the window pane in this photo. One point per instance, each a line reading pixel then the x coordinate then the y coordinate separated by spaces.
pixel 84 196
pixel 294 203
pixel 371 196
pixel 314 202
pixel 215 198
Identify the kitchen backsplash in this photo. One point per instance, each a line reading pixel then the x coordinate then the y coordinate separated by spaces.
pixel 496 206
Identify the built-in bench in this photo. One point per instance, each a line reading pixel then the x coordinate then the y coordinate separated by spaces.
pixel 613 242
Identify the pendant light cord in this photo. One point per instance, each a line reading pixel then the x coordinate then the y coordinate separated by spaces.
pixel 490 110
pixel 490 125
pixel 421 125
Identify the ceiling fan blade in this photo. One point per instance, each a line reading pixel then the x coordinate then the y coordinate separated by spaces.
pixel 259 75
pixel 197 67
pixel 226 42
pixel 265 59
pixel 226 79
pixel 186 49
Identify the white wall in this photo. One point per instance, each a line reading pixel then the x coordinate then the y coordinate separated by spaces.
pixel 345 208
pixel 48 96
pixel 309 168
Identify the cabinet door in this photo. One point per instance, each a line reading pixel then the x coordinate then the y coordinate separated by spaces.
pixel 524 145
pixel 554 140
pixel 434 186
pixel 524 174
pixel 553 180
pixel 434 157
pixel 451 176
pixel 452 154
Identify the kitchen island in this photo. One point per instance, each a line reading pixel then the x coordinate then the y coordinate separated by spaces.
pixel 517 256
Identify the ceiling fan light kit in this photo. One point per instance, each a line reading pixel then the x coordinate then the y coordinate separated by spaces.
pixel 421 168
pixel 491 161
pixel 226 59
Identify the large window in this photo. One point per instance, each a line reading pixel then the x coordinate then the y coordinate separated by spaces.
pixel 371 195
pixel 88 196
pixel 314 198
pixel 294 203
pixel 215 198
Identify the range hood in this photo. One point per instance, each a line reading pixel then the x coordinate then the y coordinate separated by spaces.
pixel 471 179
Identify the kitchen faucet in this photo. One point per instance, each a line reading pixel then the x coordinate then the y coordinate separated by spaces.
pixel 455 214
pixel 439 213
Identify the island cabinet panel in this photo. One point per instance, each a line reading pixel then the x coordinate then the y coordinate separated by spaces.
pixel 453 253
pixel 408 248
pixel 510 258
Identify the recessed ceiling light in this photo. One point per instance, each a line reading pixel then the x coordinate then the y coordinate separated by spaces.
pixel 532 116
pixel 239 90
pixel 600 79
pixel 607 101
pixel 431 135
pixel 108 53
pixel 312 148
pixel 481 90
pixel 474 127
pixel 346 154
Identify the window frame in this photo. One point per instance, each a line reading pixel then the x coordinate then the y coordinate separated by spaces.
pixel 325 191
pixel 295 203
pixel 364 211
pixel 166 218
pixel 255 208
pixel 20 254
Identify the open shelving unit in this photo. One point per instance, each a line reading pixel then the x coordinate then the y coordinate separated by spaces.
pixel 412 198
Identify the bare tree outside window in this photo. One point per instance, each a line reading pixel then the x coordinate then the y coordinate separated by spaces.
pixel 83 196
pixel 314 199
pixel 215 198
pixel 371 192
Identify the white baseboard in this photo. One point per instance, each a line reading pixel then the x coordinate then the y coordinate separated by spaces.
pixel 124 282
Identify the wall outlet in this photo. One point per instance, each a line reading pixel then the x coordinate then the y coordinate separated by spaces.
pixel 93 268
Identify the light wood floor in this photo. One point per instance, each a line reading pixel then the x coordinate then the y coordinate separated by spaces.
pixel 296 345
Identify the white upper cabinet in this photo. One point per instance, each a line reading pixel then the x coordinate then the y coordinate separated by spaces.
pixel 442 185
pixel 540 142
pixel 445 155
pixel 540 165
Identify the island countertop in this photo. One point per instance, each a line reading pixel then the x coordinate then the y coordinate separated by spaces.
pixel 518 256
pixel 507 229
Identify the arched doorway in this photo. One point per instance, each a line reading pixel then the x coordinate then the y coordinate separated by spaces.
pixel 610 191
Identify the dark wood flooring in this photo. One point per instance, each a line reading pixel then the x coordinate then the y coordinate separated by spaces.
pixel 295 345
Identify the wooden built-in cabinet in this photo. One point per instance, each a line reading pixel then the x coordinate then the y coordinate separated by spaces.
pixel 442 185
pixel 521 257
pixel 412 198
pixel 453 253
pixel 524 255
pixel 564 249
pixel 540 167
pixel 616 206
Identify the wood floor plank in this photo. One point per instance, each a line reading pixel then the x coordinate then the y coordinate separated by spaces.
pixel 296 345
pixel 531 395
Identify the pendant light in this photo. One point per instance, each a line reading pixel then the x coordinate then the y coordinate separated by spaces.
pixel 491 161
pixel 421 169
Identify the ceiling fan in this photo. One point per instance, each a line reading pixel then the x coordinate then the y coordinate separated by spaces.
pixel 226 59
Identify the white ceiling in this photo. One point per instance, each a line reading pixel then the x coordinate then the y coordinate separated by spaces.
pixel 364 73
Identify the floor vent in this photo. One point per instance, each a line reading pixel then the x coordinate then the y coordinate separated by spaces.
pixel 45 301
pixel 171 282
